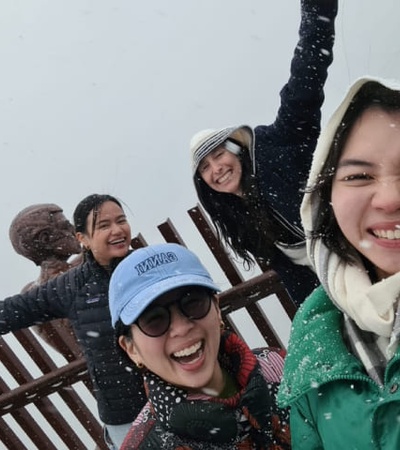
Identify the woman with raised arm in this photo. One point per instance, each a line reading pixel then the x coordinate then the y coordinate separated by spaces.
pixel 249 180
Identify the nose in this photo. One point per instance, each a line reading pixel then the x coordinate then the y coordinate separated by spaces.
pixel 180 324
pixel 116 228
pixel 215 166
pixel 387 195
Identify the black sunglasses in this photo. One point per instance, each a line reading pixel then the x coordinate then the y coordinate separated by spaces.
pixel 156 319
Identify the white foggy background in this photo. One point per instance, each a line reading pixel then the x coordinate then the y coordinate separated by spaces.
pixel 104 96
pixel 101 96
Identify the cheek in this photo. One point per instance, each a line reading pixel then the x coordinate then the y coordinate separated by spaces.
pixel 98 239
pixel 215 321
pixel 338 207
pixel 127 229
pixel 149 350
pixel 345 209
pixel 206 177
pixel 238 166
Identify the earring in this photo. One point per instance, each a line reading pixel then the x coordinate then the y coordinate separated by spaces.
pixel 139 365
pixel 222 325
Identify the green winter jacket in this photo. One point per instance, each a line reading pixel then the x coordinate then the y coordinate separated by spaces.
pixel 334 404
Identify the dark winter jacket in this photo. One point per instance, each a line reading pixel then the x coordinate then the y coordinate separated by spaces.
pixel 176 419
pixel 334 404
pixel 81 295
pixel 284 149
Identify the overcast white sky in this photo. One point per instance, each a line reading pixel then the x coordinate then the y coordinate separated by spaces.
pixel 104 96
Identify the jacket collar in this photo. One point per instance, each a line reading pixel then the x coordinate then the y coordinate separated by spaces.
pixel 89 258
pixel 317 353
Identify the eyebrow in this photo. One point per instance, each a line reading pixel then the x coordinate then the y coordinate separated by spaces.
pixel 108 219
pixel 354 162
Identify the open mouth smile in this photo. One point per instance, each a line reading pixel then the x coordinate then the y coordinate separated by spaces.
pixel 118 241
pixel 189 354
pixel 387 234
pixel 224 178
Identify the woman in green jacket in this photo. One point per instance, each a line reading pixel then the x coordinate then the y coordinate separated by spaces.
pixel 342 372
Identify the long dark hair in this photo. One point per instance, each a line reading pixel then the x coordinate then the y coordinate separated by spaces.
pixel 371 95
pixel 244 223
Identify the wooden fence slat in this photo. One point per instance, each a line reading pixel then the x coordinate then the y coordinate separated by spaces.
pixel 138 242
pixel 46 365
pixel 170 233
pixel 242 294
pixel 9 438
pixel 43 386
pixel 27 423
pixel 204 227
pixel 246 295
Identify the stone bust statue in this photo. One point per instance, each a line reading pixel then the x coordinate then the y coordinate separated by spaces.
pixel 43 234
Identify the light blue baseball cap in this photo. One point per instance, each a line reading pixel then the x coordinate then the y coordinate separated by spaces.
pixel 149 272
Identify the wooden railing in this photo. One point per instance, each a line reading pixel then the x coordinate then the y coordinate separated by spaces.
pixel 16 404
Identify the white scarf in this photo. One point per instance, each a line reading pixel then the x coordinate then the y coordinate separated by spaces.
pixel 371 306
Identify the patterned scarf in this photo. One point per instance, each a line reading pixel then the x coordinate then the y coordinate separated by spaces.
pixel 243 421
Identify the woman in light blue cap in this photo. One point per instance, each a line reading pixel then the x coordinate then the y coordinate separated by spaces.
pixel 206 389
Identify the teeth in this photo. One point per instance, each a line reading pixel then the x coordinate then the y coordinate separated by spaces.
pixel 188 351
pixel 387 234
pixel 224 178
pixel 119 241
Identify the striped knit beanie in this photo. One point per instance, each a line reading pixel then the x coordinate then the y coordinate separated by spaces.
pixel 205 141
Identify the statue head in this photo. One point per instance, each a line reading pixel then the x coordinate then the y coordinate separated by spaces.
pixel 41 232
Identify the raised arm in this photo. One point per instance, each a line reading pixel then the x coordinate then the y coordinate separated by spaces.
pixel 284 149
pixel 303 95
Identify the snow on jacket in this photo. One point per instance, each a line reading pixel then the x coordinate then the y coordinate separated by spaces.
pixel 81 295
pixel 283 150
pixel 334 404
pixel 175 419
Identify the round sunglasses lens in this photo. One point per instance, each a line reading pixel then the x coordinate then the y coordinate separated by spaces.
pixel 195 305
pixel 155 321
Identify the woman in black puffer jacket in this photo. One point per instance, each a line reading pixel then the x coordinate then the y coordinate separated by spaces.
pixel 249 180
pixel 81 295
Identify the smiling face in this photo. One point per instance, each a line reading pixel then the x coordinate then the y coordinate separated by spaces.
pixel 221 170
pixel 366 189
pixel 186 355
pixel 111 235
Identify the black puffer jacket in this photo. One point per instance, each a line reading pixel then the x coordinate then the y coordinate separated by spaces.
pixel 81 295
